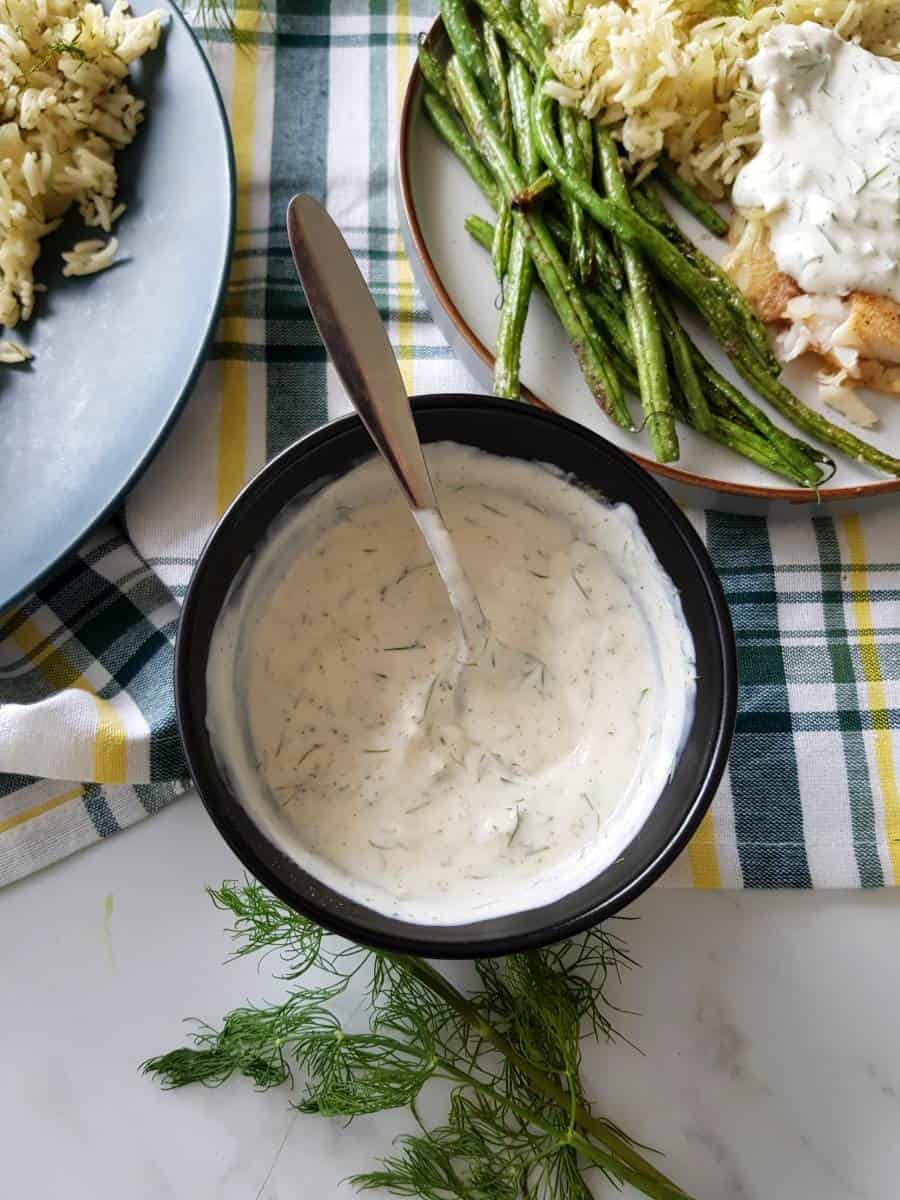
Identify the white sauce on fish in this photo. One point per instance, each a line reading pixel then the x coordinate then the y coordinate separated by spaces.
pixel 335 708
pixel 827 176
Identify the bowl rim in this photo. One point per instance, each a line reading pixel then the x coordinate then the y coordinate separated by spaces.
pixel 797 497
pixel 406 937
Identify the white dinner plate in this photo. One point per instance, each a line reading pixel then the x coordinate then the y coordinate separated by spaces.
pixel 455 277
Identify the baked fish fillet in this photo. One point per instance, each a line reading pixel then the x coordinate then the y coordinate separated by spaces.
pixel 857 335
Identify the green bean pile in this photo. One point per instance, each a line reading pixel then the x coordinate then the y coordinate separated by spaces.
pixel 608 256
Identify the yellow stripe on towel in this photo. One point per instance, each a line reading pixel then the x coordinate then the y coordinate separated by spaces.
pixel 702 855
pixel 110 750
pixel 38 810
pixel 43 654
pixel 403 275
pixel 234 382
pixel 877 700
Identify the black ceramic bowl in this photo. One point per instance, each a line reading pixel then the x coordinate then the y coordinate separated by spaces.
pixel 505 428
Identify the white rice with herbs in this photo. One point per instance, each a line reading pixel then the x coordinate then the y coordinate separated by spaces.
pixel 671 74
pixel 66 110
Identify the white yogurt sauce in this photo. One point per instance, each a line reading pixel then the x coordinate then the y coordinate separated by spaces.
pixel 329 705
pixel 826 175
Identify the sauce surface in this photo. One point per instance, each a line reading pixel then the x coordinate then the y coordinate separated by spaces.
pixel 335 707
pixel 827 175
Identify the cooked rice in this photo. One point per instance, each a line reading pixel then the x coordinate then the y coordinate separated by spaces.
pixel 12 352
pixel 87 258
pixel 66 108
pixel 671 74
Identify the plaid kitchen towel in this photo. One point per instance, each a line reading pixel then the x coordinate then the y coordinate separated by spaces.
pixel 87 729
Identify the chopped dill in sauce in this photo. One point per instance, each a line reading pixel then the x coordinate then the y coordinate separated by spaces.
pixel 827 175
pixel 395 788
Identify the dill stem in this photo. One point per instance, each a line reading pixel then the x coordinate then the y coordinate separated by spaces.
pixel 655 1189
pixel 646 1177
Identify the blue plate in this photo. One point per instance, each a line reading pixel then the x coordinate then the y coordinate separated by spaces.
pixel 116 354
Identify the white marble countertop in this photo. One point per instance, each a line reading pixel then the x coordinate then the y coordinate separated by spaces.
pixel 768 1021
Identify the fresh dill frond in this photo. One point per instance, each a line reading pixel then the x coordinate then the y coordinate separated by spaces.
pixel 263 925
pixel 350 1074
pixel 55 49
pixel 518 1123
pixel 441 1164
pixel 736 8
pixel 255 1042
pixel 216 20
